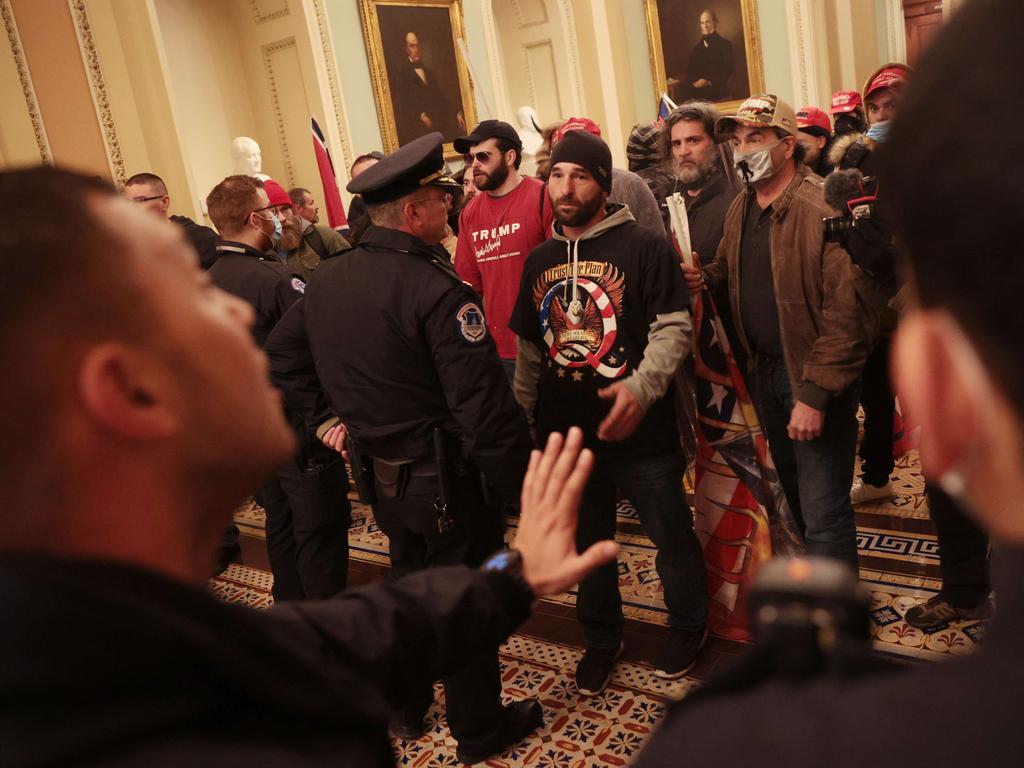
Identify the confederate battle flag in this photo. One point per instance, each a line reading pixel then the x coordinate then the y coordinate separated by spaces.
pixel 741 515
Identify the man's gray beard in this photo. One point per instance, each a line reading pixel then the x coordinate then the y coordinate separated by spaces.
pixel 697 177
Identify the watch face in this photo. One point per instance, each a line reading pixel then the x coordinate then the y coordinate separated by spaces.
pixel 500 561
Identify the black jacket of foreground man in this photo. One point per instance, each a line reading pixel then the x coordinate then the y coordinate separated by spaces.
pixel 957 713
pixel 109 665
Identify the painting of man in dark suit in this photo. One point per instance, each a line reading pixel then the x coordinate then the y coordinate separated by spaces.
pixel 422 102
pixel 711 62
pixel 704 48
pixel 419 71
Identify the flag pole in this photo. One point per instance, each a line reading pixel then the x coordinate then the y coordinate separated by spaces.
pixel 680 222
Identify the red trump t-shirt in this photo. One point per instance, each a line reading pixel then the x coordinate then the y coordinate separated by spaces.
pixel 496 234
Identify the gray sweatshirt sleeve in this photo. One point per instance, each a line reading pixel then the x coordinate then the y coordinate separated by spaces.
pixel 527 375
pixel 668 342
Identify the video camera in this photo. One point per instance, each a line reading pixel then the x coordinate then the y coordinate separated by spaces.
pixel 852 191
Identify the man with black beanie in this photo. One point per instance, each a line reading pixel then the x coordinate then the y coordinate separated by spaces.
pixel 603 321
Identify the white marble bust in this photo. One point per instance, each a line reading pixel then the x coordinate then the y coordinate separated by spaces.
pixel 245 153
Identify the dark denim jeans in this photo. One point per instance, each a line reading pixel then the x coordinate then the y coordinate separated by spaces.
pixel 655 486
pixel 879 411
pixel 815 474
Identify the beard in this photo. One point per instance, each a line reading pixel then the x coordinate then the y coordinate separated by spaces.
pixel 491 180
pixel 696 175
pixel 585 210
pixel 291 235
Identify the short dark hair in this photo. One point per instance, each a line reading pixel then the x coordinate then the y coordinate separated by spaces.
pixel 506 145
pixel 148 178
pixel 364 157
pixel 231 202
pixel 964 250
pixel 703 112
pixel 295 195
pixel 64 281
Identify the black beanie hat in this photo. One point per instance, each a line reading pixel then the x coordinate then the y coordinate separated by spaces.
pixel 588 150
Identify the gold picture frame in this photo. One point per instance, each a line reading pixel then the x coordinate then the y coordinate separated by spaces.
pixel 404 103
pixel 751 39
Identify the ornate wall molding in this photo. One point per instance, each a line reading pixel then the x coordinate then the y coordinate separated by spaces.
pixel 568 17
pixel 14 38
pixel 282 138
pixel 340 117
pixel 98 86
pixel 260 17
pixel 495 60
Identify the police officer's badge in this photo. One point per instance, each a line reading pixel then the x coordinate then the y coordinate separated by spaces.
pixel 471 322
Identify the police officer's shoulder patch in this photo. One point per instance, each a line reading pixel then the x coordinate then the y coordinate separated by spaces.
pixel 471 322
pixel 298 284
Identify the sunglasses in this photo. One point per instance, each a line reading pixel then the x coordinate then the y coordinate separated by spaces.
pixel 146 199
pixel 483 157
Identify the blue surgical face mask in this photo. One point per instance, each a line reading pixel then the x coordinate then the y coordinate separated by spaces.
pixel 275 238
pixel 879 132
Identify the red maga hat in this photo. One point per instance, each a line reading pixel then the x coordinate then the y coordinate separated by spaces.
pixel 846 101
pixel 275 193
pixel 812 119
pixel 576 124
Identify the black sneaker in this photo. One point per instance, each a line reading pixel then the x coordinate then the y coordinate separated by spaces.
pixel 937 612
pixel 519 719
pixel 595 668
pixel 679 653
pixel 409 724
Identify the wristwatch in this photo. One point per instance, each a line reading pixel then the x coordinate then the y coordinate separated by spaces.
pixel 510 562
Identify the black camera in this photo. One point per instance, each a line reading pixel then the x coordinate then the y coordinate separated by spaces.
pixel 848 190
pixel 837 228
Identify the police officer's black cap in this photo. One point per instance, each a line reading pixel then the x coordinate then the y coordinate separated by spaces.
pixel 488 129
pixel 420 163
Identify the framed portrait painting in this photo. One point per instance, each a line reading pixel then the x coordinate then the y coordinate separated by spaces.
pixel 705 49
pixel 420 81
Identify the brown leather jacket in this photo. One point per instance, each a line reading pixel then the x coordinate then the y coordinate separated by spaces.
pixel 827 330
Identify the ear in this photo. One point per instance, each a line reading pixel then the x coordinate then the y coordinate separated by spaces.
pixel 932 386
pixel 127 393
pixel 165 203
pixel 790 144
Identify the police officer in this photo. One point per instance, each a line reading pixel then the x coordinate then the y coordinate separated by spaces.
pixel 401 350
pixel 308 511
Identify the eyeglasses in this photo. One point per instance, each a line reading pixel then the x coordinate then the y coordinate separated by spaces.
pixel 145 199
pixel 483 157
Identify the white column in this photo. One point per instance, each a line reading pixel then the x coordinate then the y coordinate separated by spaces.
pixel 609 88
pixel 896 30
pixel 808 46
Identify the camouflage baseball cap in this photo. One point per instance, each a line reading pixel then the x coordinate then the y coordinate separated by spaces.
pixel 762 110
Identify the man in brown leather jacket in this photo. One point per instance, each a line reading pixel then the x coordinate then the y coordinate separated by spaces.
pixel 799 318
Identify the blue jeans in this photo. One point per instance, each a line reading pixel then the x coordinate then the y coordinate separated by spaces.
pixel 815 474
pixel 655 486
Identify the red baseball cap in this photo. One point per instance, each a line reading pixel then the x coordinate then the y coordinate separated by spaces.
pixel 846 101
pixel 812 119
pixel 887 77
pixel 576 124
pixel 275 193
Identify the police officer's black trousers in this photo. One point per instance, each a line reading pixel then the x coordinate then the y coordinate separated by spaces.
pixel 308 515
pixel 410 522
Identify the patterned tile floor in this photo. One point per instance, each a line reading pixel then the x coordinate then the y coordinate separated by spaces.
pixel 899 565
pixel 903 568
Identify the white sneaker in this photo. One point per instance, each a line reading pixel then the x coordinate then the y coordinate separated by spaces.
pixel 862 492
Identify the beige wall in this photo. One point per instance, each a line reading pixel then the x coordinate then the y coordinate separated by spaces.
pixel 61 86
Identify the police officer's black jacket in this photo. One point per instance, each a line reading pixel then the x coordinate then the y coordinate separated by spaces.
pixel 967 711
pixel 108 665
pixel 400 347
pixel 259 279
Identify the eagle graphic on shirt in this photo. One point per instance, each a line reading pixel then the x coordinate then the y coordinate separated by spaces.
pixel 580 325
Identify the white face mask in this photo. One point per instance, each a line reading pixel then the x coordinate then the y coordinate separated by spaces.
pixel 756 166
